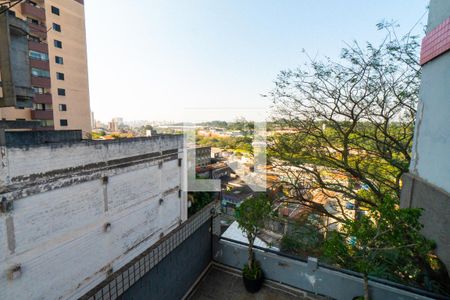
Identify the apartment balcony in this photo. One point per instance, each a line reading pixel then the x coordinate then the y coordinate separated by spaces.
pixel 40 64
pixel 42 114
pixel 45 128
pixel 32 11
pixel 43 98
pixel 38 30
pixel 18 26
pixel 223 283
pixel 40 47
pixel 195 261
pixel 41 82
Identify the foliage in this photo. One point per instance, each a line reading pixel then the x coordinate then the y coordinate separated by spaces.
pixel 242 144
pixel 198 201
pixel 385 243
pixel 349 120
pixel 251 216
pixel 304 239
pixel 252 273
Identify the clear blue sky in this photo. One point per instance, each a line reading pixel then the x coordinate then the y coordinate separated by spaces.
pixel 150 59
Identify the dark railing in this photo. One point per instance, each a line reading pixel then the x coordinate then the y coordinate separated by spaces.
pixel 36 46
pixel 43 98
pixel 42 114
pixel 33 11
pixel 38 30
pixel 41 82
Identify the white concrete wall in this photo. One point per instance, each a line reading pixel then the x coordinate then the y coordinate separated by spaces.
pixel 58 236
pixel 44 158
pixel 431 150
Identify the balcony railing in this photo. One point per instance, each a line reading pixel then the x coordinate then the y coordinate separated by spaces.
pixel 40 47
pixel 30 10
pixel 42 114
pixel 43 98
pixel 193 247
pixel 41 82
pixel 38 30
pixel 40 64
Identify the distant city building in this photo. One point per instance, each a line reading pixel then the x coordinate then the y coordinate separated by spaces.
pixel 118 121
pixel 44 65
pixel 92 120
pixel 235 193
pixel 113 126
pixel 214 171
pixel 203 156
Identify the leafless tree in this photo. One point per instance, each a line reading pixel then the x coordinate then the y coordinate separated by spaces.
pixel 348 123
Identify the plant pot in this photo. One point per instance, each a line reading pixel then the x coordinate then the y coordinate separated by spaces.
pixel 253 285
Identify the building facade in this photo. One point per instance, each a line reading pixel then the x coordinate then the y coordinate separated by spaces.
pixel 57 61
pixel 202 156
pixel 427 185
pixel 83 210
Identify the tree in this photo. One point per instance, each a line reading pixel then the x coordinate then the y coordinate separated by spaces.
pixel 251 216
pixel 385 243
pixel 350 122
pixel 199 200
pixel 305 236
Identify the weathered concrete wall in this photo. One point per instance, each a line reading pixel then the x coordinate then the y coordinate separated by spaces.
pixel 168 269
pixel 309 276
pixel 23 138
pixel 435 215
pixel 428 184
pixel 438 12
pixel 82 210
pixel 431 159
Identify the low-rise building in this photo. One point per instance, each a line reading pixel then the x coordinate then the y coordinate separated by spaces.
pixel 202 156
pixel 72 211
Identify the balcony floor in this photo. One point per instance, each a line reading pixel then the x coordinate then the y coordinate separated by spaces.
pixel 224 284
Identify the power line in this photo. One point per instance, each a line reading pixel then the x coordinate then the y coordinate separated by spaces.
pixel 9 5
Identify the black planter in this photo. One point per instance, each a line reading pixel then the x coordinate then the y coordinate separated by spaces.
pixel 253 285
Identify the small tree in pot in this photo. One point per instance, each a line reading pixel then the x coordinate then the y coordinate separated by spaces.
pixel 251 216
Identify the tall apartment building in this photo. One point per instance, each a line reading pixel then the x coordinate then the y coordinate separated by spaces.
pixel 57 57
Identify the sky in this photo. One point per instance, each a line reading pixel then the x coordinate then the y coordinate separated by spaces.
pixel 200 60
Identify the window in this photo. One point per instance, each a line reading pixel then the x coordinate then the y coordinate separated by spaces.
pixel 39 106
pixel 40 73
pixel 55 10
pixel 38 55
pixel 33 21
pixel 59 76
pixel 58 44
pixel 46 123
pixel 63 122
pixel 59 60
pixel 38 90
pixel 61 92
pixel 56 27
pixel 63 107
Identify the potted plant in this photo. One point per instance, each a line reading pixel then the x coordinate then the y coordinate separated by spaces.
pixel 251 216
